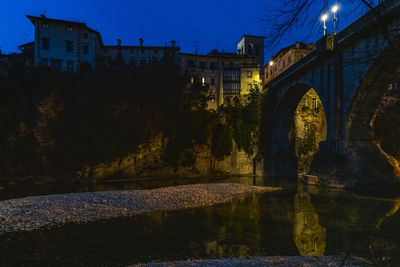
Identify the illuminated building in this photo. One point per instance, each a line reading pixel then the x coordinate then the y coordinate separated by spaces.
pixel 285 58
pixel 230 76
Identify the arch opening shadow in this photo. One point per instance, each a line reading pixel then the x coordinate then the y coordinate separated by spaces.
pixel 369 158
pixel 298 128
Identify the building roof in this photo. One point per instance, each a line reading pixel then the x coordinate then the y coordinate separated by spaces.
pixel 65 22
pixel 251 36
pixel 141 47
pixel 216 54
pixel 27 44
pixel 301 46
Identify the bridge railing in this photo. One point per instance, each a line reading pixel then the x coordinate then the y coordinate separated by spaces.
pixel 387 8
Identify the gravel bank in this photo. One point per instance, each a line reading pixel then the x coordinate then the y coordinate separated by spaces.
pixel 286 261
pixel 32 213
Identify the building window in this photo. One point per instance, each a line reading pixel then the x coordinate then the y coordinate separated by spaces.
pixel 142 62
pixel 314 103
pixel 45 43
pixel 45 25
pixel 192 80
pixel 250 49
pixel 85 35
pixel 212 81
pixel 203 81
pixel 70 65
pixel 69 46
pixel 249 86
pixel 249 74
pixel 202 65
pixel 213 65
pixel 290 59
pixel 191 63
pixel 85 49
pixel 69 29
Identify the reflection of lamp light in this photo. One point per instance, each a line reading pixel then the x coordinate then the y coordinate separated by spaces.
pixel 323 18
pixel 334 10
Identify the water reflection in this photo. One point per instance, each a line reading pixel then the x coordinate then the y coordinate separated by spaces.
pixel 309 236
pixel 293 221
pixel 393 211
pixel 233 238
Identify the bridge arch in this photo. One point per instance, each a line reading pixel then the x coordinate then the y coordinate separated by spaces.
pixel 360 120
pixel 298 125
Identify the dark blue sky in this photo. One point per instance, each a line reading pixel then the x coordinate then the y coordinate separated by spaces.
pixel 209 23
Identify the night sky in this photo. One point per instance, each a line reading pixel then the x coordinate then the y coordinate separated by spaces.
pixel 207 24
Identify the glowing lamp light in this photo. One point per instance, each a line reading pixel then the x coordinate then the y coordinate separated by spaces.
pixel 334 9
pixel 271 63
pixel 323 18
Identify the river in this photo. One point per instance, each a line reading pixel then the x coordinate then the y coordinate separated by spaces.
pixel 299 220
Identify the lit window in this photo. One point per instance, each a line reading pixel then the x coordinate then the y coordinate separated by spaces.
pixel 314 103
pixel 69 29
pixel 249 74
pixel 203 81
pixel 249 86
pixel 192 80
pixel 45 25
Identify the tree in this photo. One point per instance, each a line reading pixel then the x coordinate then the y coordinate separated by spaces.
pixel 286 17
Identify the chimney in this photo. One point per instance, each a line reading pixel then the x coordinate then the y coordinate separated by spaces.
pixel 119 42
pixel 173 43
pixel 141 42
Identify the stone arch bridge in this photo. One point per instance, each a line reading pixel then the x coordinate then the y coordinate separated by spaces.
pixel 350 71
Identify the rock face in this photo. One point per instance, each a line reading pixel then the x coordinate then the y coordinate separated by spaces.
pixel 148 162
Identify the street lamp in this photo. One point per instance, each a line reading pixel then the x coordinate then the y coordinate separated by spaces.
pixel 323 18
pixel 334 10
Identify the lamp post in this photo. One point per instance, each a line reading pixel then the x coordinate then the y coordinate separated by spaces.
pixel 271 63
pixel 334 10
pixel 323 18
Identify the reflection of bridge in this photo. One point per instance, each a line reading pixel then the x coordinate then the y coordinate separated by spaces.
pixel 350 72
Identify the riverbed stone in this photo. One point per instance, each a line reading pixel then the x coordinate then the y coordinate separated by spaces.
pixel 287 261
pixel 33 213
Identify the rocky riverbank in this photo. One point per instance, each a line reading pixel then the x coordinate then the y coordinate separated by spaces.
pixel 286 261
pixel 32 213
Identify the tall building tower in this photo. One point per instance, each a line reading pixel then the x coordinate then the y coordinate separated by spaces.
pixel 252 46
